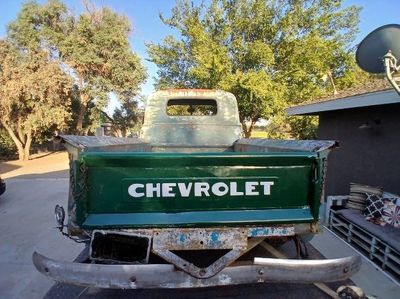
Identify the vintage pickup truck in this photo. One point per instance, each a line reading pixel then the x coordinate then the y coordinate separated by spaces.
pixel 188 203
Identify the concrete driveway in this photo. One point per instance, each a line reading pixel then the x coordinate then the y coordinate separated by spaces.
pixel 27 224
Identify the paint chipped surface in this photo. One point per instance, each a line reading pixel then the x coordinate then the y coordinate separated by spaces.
pixel 236 240
pixel 200 238
pixel 271 231
pixel 214 238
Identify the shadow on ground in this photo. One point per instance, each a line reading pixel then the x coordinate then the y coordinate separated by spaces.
pixel 251 291
pixel 44 165
pixel 6 167
pixel 42 155
pixel 61 174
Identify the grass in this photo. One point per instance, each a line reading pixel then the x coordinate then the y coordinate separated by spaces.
pixel 258 134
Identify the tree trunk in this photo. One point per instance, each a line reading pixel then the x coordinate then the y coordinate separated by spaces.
pixel 247 133
pixel 21 154
pixel 247 130
pixel 21 135
pixel 83 105
pixel 27 146
pixel 81 116
pixel 23 149
pixel 118 132
pixel 123 132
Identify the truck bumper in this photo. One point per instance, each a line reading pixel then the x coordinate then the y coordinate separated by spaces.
pixel 167 276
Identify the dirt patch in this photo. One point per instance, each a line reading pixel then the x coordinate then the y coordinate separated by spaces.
pixel 43 165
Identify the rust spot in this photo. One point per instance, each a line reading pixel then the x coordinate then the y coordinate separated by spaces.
pixel 202 272
pixel 46 269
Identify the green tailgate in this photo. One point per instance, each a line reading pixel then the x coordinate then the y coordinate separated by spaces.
pixel 131 190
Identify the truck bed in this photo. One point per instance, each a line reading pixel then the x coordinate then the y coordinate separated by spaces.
pixel 140 185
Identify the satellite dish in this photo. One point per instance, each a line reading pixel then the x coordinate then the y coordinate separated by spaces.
pixel 371 51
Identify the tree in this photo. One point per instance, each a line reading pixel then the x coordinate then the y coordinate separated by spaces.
pixel 304 127
pixel 93 47
pixel 34 94
pixel 126 119
pixel 270 54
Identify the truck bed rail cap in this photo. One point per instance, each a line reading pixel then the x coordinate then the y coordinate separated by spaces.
pixel 289 145
pixel 85 142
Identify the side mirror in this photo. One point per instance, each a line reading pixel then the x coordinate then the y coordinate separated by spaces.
pixel 379 52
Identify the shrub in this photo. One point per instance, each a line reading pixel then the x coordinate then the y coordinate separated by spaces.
pixel 8 149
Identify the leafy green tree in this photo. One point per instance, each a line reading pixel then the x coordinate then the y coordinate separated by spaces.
pixel 93 47
pixel 34 94
pixel 270 54
pixel 303 127
pixel 127 119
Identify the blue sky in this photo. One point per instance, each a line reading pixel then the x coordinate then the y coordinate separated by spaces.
pixel 144 15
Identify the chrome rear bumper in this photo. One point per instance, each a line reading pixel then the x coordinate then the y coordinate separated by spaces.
pixel 167 276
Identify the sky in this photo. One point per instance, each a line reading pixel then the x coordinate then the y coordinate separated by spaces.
pixel 147 26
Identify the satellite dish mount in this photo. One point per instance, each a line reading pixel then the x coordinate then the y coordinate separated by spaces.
pixel 392 70
pixel 379 52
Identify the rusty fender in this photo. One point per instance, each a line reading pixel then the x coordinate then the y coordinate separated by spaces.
pixel 167 276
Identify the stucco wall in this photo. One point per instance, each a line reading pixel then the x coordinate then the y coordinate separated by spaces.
pixel 366 156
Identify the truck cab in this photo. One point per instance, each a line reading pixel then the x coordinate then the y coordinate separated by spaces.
pixel 178 119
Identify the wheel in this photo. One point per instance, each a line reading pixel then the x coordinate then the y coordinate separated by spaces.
pixel 350 292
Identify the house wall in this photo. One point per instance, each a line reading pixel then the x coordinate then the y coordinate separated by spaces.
pixel 365 156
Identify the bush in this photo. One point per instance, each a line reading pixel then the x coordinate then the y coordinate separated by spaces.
pixel 8 150
pixel 304 127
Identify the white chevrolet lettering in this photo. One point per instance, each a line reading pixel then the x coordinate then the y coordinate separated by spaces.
pixel 201 189
pixel 267 187
pixel 234 192
pixel 250 188
pixel 132 190
pixel 185 190
pixel 151 188
pixel 167 189
pixel 216 189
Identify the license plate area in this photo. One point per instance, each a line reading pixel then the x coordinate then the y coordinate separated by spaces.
pixel 120 247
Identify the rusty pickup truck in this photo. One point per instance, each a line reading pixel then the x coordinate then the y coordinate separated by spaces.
pixel 188 203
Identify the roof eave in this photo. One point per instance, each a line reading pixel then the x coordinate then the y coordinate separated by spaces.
pixel 382 97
